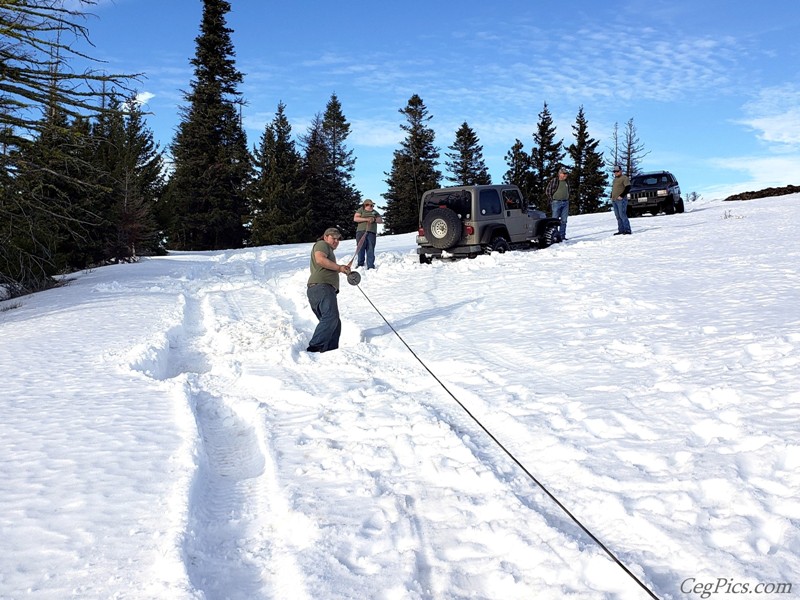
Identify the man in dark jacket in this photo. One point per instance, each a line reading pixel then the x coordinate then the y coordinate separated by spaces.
pixel 619 200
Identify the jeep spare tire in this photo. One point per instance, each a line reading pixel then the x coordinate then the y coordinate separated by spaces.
pixel 442 228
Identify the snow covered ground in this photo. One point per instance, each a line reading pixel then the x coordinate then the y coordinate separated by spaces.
pixel 164 435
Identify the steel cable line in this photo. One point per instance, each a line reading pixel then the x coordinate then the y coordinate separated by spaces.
pixel 533 478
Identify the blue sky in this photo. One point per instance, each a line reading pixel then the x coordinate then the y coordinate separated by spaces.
pixel 713 86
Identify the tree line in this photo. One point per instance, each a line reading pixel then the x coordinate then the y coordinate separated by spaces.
pixel 83 183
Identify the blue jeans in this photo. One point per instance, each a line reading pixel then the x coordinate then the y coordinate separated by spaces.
pixel 367 248
pixel 322 298
pixel 561 211
pixel 621 212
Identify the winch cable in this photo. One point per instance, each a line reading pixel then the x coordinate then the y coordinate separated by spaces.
pixel 541 486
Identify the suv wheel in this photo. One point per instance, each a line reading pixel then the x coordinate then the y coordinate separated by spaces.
pixel 442 228
pixel 669 207
pixel 679 208
pixel 500 244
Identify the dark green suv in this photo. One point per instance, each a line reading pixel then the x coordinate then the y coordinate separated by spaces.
pixel 470 220
pixel 654 192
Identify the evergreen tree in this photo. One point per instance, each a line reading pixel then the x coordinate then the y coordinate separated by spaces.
pixel 587 178
pixel 466 164
pixel 341 163
pixel 319 184
pixel 132 168
pixel 519 168
pixel 327 173
pixel 546 157
pixel 37 208
pixel 207 193
pixel 413 170
pixel 280 212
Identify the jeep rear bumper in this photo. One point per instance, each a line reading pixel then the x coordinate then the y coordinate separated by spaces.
pixel 470 250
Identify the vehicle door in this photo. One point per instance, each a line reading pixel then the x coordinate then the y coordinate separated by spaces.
pixel 517 221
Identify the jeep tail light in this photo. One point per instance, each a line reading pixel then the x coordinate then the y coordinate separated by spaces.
pixel 470 230
pixel 421 232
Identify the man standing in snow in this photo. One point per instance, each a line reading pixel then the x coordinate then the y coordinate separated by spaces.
pixel 323 286
pixel 619 200
pixel 367 218
pixel 557 191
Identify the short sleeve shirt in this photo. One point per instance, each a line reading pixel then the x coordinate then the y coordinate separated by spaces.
pixel 371 227
pixel 320 274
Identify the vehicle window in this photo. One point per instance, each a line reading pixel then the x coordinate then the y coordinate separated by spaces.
pixel 490 202
pixel 511 199
pixel 458 201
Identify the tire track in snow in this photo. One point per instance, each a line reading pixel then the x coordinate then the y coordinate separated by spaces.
pixel 235 546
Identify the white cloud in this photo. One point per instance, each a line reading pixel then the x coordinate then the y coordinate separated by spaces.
pixel 758 172
pixel 144 97
pixel 775 115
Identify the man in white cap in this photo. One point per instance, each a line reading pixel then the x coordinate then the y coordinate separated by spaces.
pixel 323 286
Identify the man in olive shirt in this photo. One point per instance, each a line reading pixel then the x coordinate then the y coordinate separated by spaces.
pixel 558 192
pixel 619 201
pixel 323 285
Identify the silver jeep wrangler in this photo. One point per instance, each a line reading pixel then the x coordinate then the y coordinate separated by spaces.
pixel 469 220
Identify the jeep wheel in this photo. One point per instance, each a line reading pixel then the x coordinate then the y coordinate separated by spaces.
pixel 669 207
pixel 500 244
pixel 679 208
pixel 551 236
pixel 442 228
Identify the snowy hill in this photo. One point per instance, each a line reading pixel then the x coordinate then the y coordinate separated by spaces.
pixel 164 435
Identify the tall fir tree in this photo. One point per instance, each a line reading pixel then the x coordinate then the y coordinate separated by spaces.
pixel 132 165
pixel 280 211
pixel 587 178
pixel 413 170
pixel 38 211
pixel 466 164
pixel 341 163
pixel 546 157
pixel 327 172
pixel 207 192
pixel 519 168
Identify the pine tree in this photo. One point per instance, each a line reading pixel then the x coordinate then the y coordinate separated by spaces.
pixel 132 168
pixel 413 170
pixel 519 168
pixel 280 211
pixel 319 185
pixel 346 199
pixel 466 164
pixel 546 157
pixel 327 173
pixel 587 178
pixel 37 209
pixel 207 193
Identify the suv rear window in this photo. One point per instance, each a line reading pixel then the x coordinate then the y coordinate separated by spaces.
pixel 458 201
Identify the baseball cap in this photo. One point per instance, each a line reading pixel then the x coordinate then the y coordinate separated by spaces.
pixel 617 168
pixel 332 231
